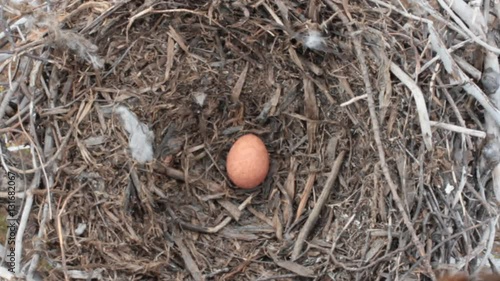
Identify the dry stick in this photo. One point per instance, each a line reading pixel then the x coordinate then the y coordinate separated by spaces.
pixel 171 172
pixel 459 129
pixel 353 100
pixel 376 133
pixel 418 96
pixel 313 217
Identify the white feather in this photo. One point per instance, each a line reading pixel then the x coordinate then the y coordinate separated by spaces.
pixel 314 40
pixel 140 137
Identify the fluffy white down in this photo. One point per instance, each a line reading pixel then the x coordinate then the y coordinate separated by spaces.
pixel 140 137
pixel 313 40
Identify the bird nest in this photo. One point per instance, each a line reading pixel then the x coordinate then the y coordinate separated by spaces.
pixel 380 119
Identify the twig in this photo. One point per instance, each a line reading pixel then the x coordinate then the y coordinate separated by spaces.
pixel 313 217
pixel 467 67
pixel 418 96
pixel 353 100
pixel 376 133
pixel 279 277
pixel 459 129
pixel 171 172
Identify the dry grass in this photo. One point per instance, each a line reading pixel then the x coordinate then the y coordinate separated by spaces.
pixel 356 191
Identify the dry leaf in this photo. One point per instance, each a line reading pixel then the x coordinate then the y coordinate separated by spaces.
pixel 295 268
pixel 235 95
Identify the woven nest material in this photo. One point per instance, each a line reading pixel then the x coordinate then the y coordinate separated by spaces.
pixel 380 119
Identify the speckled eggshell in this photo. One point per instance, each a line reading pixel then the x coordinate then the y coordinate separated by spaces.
pixel 248 162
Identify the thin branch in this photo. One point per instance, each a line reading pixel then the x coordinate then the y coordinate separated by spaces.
pixel 418 96
pixel 458 129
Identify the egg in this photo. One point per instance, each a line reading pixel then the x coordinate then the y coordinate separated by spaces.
pixel 247 162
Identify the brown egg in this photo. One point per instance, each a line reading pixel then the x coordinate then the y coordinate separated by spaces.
pixel 248 162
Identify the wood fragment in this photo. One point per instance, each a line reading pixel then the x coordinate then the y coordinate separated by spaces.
pixel 277 225
pixel 295 268
pixel 170 57
pixel 188 259
pixel 178 38
pixel 231 208
pixel 311 111
pixel 290 180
